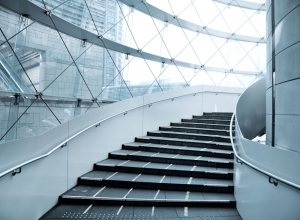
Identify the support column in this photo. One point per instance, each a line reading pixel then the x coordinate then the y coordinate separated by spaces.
pixel 283 58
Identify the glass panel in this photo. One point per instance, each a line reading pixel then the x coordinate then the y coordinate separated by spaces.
pixel 178 7
pixel 234 18
pixel 202 78
pixel 162 5
pixel 231 80
pixel 12 23
pixel 29 117
pixel 188 55
pixel 171 78
pixel 247 80
pixel 176 37
pixel 206 46
pixel 246 64
pixel 258 55
pixel 127 23
pixel 207 11
pixel 157 45
pixel 144 29
pixel 217 77
pixel 218 23
pixel 217 60
pixel 12 72
pixel 139 75
pixel 232 52
pixel 49 4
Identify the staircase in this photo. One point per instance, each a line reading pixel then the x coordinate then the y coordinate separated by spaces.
pixel 184 170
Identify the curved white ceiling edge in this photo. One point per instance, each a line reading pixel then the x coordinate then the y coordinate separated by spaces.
pixel 34 12
pixel 166 17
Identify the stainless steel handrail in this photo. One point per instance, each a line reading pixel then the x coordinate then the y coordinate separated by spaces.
pixel 95 124
pixel 270 175
pixel 53 97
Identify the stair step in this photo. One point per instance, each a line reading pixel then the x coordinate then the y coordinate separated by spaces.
pixel 218 117
pixel 171 158
pixel 218 113
pixel 140 167
pixel 132 192
pixel 200 125
pixel 206 152
pixel 209 121
pixel 195 130
pixel 157 186
pixel 155 182
pixel 192 136
pixel 184 142
pixel 88 211
pixel 145 202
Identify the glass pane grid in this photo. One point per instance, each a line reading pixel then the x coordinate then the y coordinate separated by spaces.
pixel 43 61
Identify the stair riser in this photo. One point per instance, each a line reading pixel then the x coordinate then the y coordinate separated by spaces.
pixel 218 114
pixel 206 121
pixel 109 202
pixel 212 117
pixel 157 186
pixel 190 137
pixel 172 161
pixel 183 143
pixel 181 152
pixel 192 125
pixel 195 131
pixel 151 171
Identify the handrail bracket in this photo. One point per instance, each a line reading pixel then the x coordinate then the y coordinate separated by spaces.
pixel 64 145
pixel 274 181
pixel 16 171
pixel 239 161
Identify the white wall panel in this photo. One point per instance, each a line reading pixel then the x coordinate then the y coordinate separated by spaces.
pixel 31 193
pixel 258 199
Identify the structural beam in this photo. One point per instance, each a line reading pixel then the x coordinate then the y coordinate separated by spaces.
pixel 35 12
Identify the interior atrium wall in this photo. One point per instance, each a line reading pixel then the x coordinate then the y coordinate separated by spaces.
pixel 283 84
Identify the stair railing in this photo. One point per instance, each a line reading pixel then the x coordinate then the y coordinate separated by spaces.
pixel 17 169
pixel 237 142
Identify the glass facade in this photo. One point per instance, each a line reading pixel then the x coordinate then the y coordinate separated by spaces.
pixel 49 75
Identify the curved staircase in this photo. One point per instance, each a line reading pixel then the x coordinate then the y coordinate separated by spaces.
pixel 184 170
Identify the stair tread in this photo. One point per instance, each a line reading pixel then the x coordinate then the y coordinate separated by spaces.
pixel 107 192
pixel 185 140
pixel 192 134
pixel 206 119
pixel 170 155
pixel 63 211
pixel 200 129
pixel 203 124
pixel 150 178
pixel 176 147
pixel 152 165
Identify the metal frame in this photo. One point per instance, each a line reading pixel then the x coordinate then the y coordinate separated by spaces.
pixel 244 4
pixel 272 178
pixel 164 16
pixel 37 14
pixel 96 124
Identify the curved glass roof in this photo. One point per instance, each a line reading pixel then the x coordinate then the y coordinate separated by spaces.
pixel 108 50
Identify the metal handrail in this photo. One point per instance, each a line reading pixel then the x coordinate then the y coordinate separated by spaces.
pixel 270 175
pixel 63 143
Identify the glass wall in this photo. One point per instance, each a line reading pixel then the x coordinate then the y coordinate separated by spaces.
pixel 48 76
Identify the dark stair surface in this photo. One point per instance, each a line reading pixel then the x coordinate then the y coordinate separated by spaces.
pixel 184 170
